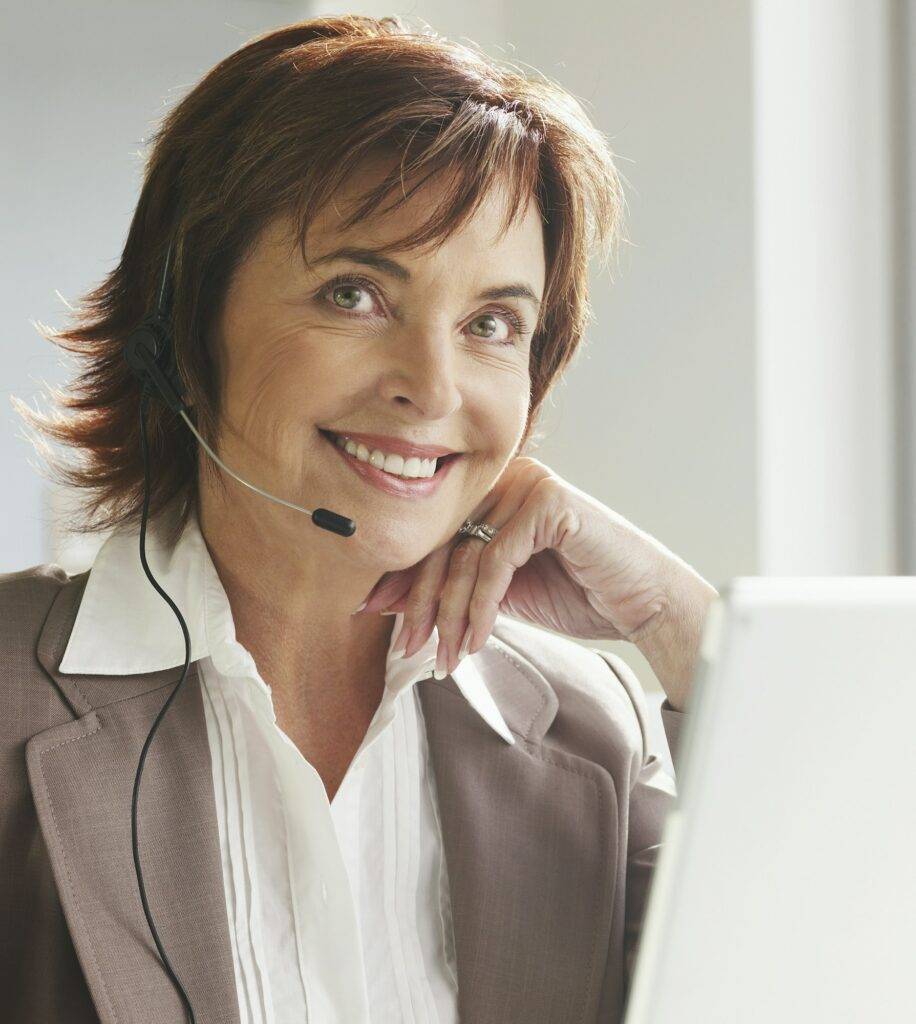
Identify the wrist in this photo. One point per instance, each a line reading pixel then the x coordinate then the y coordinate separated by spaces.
pixel 670 639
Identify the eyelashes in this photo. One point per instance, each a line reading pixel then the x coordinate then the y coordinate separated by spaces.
pixel 516 321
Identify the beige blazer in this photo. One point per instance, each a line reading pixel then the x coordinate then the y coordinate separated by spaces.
pixel 549 842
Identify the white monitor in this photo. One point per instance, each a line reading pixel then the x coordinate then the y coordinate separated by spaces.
pixel 785 890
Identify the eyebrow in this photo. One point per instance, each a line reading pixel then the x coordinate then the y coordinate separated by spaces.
pixel 385 265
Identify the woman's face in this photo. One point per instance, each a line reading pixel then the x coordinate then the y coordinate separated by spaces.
pixel 404 345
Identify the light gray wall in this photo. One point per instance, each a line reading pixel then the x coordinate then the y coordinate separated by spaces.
pixel 903 29
pixel 80 87
pixel 664 392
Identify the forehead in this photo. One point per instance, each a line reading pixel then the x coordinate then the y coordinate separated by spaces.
pixel 480 237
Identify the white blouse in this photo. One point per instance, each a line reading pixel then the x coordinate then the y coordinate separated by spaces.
pixel 338 912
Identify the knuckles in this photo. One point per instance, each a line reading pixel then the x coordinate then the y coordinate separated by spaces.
pixel 464 554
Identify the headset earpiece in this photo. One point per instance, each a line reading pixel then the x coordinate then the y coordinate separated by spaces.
pixel 149 352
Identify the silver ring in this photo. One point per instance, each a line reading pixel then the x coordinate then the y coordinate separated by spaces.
pixel 482 530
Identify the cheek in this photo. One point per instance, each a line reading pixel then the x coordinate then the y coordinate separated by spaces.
pixel 506 411
pixel 296 386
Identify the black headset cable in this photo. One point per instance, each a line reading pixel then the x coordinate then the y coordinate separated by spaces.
pixel 144 403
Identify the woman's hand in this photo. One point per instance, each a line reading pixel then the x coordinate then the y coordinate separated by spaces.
pixel 561 559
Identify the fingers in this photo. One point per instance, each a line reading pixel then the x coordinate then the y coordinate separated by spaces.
pixel 422 603
pixel 387 592
pixel 441 592
pixel 452 618
pixel 462 627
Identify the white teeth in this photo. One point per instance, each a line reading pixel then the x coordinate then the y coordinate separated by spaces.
pixel 396 465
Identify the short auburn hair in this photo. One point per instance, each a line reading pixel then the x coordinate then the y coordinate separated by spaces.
pixel 274 129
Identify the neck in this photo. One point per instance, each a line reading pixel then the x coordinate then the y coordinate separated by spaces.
pixel 292 587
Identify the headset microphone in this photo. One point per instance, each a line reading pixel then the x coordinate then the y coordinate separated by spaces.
pixel 150 354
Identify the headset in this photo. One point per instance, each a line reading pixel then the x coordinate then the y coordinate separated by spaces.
pixel 150 354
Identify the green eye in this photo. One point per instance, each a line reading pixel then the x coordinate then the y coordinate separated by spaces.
pixel 492 320
pixel 346 289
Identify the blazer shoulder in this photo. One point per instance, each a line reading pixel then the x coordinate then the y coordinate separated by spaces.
pixel 47 573
pixel 26 596
pixel 601 704
pixel 26 601
pixel 36 586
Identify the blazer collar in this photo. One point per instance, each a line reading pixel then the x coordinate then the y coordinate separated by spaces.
pixel 123 626
pixel 529 833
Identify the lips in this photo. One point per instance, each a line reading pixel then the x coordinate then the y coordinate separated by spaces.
pixel 420 487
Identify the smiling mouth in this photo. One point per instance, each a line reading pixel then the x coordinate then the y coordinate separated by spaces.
pixel 441 461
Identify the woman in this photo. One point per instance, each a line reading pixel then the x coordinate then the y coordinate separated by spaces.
pixel 422 810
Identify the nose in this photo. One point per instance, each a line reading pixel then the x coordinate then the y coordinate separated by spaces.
pixel 423 371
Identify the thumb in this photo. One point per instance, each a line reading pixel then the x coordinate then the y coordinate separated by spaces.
pixel 390 587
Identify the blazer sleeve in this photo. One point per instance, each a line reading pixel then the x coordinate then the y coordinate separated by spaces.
pixel 652 794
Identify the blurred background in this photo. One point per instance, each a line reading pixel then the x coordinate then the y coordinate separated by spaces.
pixel 747 392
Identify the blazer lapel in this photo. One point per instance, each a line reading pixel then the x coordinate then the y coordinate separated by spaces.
pixel 530 838
pixel 529 833
pixel 82 777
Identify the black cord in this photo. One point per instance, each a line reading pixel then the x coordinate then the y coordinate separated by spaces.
pixel 144 402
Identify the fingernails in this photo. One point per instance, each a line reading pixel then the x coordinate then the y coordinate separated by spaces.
pixel 442 659
pixel 363 605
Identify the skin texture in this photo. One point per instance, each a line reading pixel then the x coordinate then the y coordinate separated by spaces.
pixel 421 359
